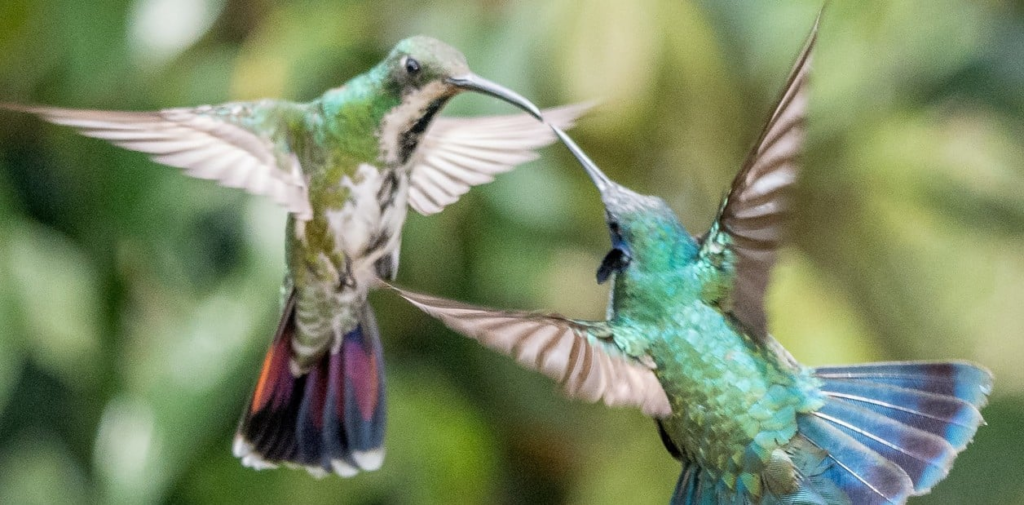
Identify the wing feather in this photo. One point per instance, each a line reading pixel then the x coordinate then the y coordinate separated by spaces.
pixel 204 141
pixel 458 153
pixel 755 216
pixel 588 366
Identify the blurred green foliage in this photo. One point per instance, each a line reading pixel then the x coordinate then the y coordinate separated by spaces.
pixel 136 303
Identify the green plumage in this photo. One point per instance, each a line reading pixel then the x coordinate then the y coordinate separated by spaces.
pixel 686 341
pixel 734 400
pixel 347 166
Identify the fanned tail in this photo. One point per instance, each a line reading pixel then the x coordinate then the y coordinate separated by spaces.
pixel 888 431
pixel 892 430
pixel 329 419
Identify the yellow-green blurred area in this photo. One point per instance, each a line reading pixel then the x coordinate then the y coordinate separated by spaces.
pixel 136 304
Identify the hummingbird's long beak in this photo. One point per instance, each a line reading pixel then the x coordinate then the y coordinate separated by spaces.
pixel 473 82
pixel 600 180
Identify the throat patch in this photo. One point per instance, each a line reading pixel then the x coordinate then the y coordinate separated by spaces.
pixel 411 138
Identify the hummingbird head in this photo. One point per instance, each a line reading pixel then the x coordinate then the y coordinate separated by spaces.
pixel 644 231
pixel 423 74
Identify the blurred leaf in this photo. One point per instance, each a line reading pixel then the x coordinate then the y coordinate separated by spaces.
pixel 187 364
pixel 984 212
pixel 291 43
pixel 12 355
pixel 564 288
pixel 56 291
pixel 828 331
pixel 36 470
pixel 161 29
pixel 128 453
pixel 533 196
pixel 623 461
pixel 609 51
pixel 437 431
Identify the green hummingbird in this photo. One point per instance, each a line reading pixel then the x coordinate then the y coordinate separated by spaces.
pixel 685 340
pixel 345 166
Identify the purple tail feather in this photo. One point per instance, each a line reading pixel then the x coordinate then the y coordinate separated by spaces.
pixel 331 418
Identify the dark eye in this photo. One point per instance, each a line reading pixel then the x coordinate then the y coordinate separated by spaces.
pixel 412 66
pixel 615 261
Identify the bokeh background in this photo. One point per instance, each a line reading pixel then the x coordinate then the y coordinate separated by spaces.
pixel 135 303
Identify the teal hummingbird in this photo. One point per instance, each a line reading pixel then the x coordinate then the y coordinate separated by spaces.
pixel 345 166
pixel 686 341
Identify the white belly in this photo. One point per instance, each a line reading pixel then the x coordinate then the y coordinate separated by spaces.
pixel 366 228
pixel 369 225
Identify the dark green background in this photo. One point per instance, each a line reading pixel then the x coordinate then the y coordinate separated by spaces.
pixel 135 303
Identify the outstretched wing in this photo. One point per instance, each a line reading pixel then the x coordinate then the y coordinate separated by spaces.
pixel 229 143
pixel 458 153
pixel 754 217
pixel 580 355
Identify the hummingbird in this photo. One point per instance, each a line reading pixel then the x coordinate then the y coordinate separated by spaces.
pixel 685 340
pixel 345 166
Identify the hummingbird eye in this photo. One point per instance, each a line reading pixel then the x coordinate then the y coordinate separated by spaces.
pixel 412 67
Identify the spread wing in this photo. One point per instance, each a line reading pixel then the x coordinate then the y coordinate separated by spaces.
pixel 754 218
pixel 226 143
pixel 459 153
pixel 580 355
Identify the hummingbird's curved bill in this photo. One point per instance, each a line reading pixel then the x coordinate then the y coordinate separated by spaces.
pixel 473 82
pixel 347 166
pixel 686 340
pixel 601 181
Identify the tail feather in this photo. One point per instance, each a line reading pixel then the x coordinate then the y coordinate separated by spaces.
pixel 331 438
pixel 949 417
pixel 274 403
pixel 957 379
pixel 887 431
pixel 864 475
pixel 362 400
pixel 925 457
pixel 892 430
pixel 309 430
pixel 329 419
